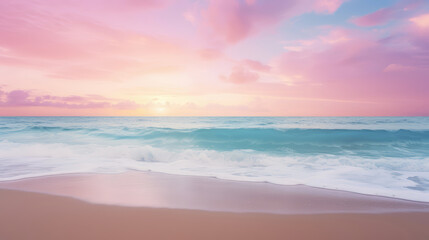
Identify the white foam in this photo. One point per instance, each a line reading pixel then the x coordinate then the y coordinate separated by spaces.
pixel 393 177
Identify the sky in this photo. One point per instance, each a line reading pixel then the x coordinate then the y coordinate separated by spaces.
pixel 214 58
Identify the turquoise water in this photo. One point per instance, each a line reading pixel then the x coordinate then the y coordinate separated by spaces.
pixel 374 155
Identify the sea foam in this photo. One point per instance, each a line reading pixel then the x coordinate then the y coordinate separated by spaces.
pixel 382 156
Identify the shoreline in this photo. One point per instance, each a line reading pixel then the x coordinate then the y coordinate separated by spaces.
pixel 156 190
pixel 40 216
pixel 210 177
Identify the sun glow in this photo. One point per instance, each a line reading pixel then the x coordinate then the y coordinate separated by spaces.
pixel 161 110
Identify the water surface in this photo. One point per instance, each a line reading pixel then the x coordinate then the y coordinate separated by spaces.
pixel 386 156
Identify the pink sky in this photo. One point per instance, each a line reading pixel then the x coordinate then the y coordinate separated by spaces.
pixel 214 57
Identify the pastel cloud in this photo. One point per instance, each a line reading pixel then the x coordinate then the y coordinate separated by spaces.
pixel 246 71
pixel 376 18
pixel 399 68
pixel 240 75
pixel 152 57
pixel 23 98
pixel 384 15
pixel 421 21
pixel 233 20
pixel 328 6
pixel 333 36
pixel 256 65
pixel 362 67
pixel 418 33
pixel 78 47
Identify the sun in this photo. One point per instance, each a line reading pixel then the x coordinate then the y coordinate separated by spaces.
pixel 160 110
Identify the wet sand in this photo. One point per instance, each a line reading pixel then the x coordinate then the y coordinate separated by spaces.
pixel 36 216
pixel 145 205
pixel 160 190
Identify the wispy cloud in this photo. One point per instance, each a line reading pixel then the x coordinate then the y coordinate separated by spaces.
pixel 382 16
pixel 219 57
pixel 25 98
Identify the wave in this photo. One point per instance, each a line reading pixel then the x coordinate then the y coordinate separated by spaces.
pixel 271 135
pixel 280 141
pixel 362 142
pixel 57 129
pixel 382 176
pixel 385 156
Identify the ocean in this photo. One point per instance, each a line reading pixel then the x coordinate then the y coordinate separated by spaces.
pixel 387 156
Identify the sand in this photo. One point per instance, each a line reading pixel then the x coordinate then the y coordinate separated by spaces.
pixel 149 189
pixel 35 216
pixel 138 205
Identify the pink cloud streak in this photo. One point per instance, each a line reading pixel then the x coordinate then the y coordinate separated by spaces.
pixel 384 15
pixel 233 20
pixel 362 67
pixel 23 98
pixel 246 71
pixel 76 46
pixel 244 49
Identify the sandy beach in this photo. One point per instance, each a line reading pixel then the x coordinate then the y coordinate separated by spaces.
pixel 161 190
pixel 40 216
pixel 214 120
pixel 137 205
